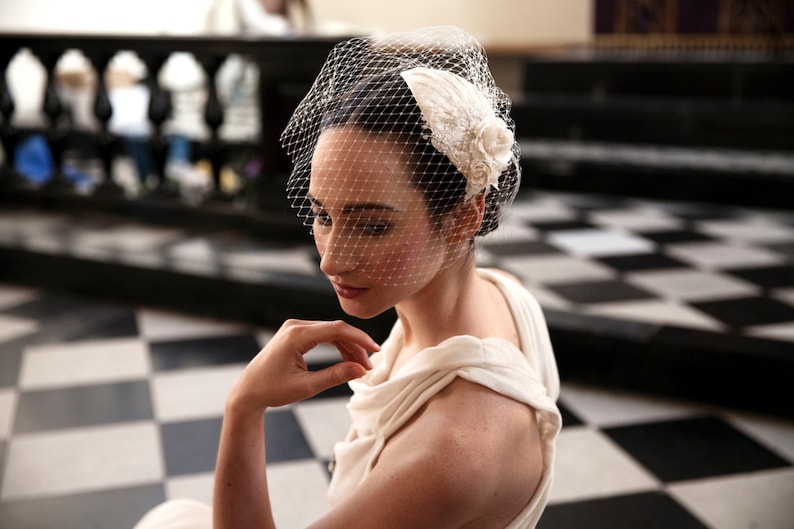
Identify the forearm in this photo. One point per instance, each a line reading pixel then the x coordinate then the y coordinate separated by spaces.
pixel 241 498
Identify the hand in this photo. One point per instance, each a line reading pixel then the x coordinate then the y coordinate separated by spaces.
pixel 278 375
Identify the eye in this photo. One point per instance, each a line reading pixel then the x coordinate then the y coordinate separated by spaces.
pixel 320 217
pixel 373 227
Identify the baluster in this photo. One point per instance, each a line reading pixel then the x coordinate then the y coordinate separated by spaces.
pixel 8 134
pixel 107 142
pixel 56 133
pixel 213 117
pixel 159 112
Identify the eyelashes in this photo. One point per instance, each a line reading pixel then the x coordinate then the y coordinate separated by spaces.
pixel 355 225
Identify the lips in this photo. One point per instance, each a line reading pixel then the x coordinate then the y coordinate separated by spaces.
pixel 348 292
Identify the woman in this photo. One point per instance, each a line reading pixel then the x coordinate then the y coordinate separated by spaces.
pixel 404 154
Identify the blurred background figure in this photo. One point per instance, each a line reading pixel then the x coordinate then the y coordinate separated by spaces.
pixel 260 17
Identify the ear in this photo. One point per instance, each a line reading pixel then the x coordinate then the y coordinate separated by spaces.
pixel 466 219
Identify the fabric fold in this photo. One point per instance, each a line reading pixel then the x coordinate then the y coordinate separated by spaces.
pixel 383 401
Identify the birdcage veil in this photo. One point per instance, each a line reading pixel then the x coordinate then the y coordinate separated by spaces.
pixel 426 98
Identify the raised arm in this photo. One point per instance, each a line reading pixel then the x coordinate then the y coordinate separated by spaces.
pixel 277 376
pixel 469 458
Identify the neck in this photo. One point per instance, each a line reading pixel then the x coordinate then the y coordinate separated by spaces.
pixel 439 310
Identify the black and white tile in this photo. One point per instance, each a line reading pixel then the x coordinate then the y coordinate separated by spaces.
pixel 108 408
pixel 103 422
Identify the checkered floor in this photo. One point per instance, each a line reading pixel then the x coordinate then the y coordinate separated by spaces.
pixel 724 269
pixel 107 409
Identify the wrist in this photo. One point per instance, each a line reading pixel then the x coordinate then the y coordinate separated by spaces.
pixel 242 406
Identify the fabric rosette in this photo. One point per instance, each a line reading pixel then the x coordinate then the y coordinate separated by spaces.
pixel 463 126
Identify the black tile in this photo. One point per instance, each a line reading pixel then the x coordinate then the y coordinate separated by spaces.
pixel 594 202
pixel 117 508
pixel 643 261
pixel 766 276
pixel 740 312
pixel 694 448
pixel 568 417
pixel 10 364
pixel 599 291
pixel 652 510
pixel 200 352
pixel 284 439
pixel 674 236
pixel 514 248
pixel 48 306
pixel 3 449
pixel 191 447
pixel 342 390
pixel 83 406
pixel 562 225
pixel 66 319
pixel 785 249
pixel 118 326
pixel 698 211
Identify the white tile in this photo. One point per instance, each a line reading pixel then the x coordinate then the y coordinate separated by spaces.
pixel 776 331
pixel 192 393
pixel 11 295
pixel 88 362
pixel 157 325
pixel 656 312
pixel 784 294
pixel 511 230
pixel 193 486
pixel 600 243
pixel 754 229
pixel 547 298
pixel 195 249
pixel 81 460
pixel 325 422
pixel 638 219
pixel 129 238
pixel 589 465
pixel 556 269
pixel 542 210
pixel 716 255
pixel 761 500
pixel 51 243
pixel 323 353
pixel 200 268
pixel 12 327
pixel 93 253
pixel 293 261
pixel 605 408
pixel 263 336
pixel 31 223
pixel 297 493
pixel 776 434
pixel 693 285
pixel 8 406
pixel 143 259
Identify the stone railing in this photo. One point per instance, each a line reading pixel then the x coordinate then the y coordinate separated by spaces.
pixel 284 69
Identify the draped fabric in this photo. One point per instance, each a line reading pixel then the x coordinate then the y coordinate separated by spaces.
pixel 384 401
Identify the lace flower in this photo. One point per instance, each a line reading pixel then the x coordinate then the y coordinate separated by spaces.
pixel 463 126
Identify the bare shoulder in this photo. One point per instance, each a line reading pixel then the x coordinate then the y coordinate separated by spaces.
pixel 470 458
pixel 483 447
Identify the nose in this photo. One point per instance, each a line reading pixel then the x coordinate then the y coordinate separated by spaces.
pixel 337 255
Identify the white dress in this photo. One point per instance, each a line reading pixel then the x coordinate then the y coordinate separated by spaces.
pixel 381 403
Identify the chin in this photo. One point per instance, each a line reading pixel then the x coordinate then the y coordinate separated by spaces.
pixel 363 311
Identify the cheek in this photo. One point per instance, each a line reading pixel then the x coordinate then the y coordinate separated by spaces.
pixel 401 264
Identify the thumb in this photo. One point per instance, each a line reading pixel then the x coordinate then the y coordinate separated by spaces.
pixel 337 375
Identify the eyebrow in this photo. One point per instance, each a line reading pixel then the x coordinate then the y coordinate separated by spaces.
pixel 357 206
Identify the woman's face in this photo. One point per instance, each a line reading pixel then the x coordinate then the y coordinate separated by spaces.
pixel 376 242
